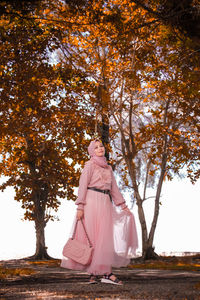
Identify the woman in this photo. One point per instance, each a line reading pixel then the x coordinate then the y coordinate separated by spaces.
pixel 111 232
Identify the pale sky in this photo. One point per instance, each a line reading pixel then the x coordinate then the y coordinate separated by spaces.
pixel 177 230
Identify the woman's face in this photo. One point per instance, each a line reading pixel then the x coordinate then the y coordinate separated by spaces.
pixel 99 149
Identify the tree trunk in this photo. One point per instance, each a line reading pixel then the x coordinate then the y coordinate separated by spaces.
pixel 40 223
pixel 159 188
pixel 147 250
pixel 41 249
pixel 39 197
pixel 103 103
pixel 149 253
pixel 147 239
pixel 150 250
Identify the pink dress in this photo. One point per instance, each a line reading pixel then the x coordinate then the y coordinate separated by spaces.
pixel 112 232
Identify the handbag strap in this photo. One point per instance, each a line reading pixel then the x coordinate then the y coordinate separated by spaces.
pixel 90 244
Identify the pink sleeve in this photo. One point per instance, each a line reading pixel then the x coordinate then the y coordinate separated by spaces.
pixel 116 195
pixel 83 184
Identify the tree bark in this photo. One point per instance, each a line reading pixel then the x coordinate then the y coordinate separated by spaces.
pixel 39 196
pixel 147 249
pixel 158 192
pixel 103 105
pixel 41 249
pixel 40 224
pixel 161 178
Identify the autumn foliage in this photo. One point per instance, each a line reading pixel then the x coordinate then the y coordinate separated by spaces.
pixel 68 66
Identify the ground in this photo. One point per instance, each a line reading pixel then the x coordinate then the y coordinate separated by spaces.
pixel 23 279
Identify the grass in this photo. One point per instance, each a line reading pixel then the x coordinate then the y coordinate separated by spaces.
pixel 163 265
pixel 187 264
pixel 48 263
pixel 13 272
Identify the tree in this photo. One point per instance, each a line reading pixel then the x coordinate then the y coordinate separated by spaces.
pixel 158 129
pixel 115 59
pixel 143 80
pixel 180 15
pixel 38 141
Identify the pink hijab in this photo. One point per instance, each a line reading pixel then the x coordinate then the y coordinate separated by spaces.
pixel 99 160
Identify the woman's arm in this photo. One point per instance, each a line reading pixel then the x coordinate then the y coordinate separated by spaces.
pixel 83 185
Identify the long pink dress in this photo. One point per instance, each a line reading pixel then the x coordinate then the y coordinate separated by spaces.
pixel 112 232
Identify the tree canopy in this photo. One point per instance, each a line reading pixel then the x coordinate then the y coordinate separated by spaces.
pixel 66 66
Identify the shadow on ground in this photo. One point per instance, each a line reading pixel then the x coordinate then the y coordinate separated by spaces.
pixel 49 281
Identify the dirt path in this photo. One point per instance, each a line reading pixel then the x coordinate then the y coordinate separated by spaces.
pixel 53 282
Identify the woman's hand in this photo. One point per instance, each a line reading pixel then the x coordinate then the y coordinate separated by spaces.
pixel 79 214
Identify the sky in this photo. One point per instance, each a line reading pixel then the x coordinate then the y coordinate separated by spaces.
pixel 177 229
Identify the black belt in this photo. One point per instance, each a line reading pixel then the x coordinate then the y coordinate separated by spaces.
pixel 100 191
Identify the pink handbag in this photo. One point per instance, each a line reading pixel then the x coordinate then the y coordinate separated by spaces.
pixel 76 250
